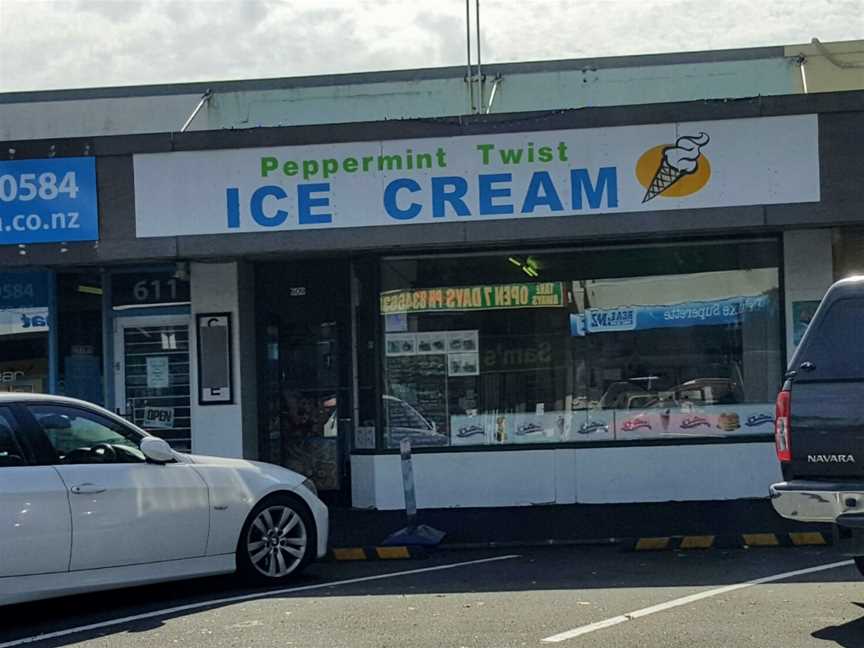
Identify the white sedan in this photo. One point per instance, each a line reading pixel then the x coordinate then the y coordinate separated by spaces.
pixel 89 501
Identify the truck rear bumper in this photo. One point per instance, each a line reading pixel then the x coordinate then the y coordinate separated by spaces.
pixel 809 501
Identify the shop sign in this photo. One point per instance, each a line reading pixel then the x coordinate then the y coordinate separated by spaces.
pixel 701 313
pixel 161 418
pixel 132 289
pixel 549 294
pixel 48 200
pixel 625 169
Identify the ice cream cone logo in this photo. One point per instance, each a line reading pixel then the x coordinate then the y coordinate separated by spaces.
pixel 674 171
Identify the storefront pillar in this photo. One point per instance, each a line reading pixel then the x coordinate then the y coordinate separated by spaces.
pixel 53 344
pixel 808 273
pixel 227 429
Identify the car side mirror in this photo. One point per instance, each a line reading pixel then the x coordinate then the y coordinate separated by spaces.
pixel 156 450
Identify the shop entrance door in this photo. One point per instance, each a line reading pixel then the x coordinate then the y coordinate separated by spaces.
pixel 152 386
pixel 304 338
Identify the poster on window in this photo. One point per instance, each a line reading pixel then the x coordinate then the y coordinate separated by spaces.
pixel 158 375
pixel 463 364
pixel 692 420
pixel 432 343
pixel 538 428
pixel 401 344
pixel 459 341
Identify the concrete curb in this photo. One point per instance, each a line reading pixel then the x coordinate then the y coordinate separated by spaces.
pixel 658 543
pixel 740 541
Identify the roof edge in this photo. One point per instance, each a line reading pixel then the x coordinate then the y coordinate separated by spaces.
pixel 389 76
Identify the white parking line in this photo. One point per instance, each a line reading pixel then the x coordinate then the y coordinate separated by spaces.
pixel 240 599
pixel 685 600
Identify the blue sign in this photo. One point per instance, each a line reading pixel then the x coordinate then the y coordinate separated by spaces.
pixel 48 201
pixel 632 318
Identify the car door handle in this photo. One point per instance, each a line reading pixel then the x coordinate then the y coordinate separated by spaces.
pixel 87 489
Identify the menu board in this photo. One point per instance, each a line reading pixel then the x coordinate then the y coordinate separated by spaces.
pixel 421 382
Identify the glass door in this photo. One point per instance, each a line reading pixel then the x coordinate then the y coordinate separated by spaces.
pixel 304 369
pixel 152 375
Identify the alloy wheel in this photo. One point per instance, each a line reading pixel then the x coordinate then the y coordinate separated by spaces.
pixel 276 541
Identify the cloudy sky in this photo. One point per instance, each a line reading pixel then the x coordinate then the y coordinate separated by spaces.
pixel 85 43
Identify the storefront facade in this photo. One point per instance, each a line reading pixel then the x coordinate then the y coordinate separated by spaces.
pixel 580 307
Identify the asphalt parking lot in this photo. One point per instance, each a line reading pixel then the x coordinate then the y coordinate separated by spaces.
pixel 567 596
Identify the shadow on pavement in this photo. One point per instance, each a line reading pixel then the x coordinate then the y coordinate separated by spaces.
pixel 568 522
pixel 560 568
pixel 848 635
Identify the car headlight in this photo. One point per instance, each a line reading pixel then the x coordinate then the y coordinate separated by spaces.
pixel 308 483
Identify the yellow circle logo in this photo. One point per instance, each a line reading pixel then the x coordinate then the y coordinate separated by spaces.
pixel 674 170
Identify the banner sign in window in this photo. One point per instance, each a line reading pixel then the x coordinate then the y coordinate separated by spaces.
pixel 632 318
pixel 549 294
pixel 48 201
pixel 496 176
pixel 24 300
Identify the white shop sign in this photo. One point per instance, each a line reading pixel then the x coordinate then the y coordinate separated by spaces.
pixel 768 160
pixel 24 320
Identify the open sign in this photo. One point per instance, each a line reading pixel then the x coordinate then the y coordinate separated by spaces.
pixel 159 417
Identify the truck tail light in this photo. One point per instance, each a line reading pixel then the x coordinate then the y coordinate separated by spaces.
pixel 781 426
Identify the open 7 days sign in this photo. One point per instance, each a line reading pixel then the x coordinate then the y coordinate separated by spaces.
pixel 726 163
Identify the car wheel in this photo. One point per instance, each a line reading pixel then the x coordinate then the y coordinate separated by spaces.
pixel 859 563
pixel 278 540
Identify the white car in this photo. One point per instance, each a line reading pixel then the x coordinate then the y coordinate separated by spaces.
pixel 89 502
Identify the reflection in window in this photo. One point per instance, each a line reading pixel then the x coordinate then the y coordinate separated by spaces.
pixel 24 324
pixel 612 344
pixel 79 303
pixel 10 452
pixel 82 437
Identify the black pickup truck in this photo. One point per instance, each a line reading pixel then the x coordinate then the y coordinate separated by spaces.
pixel 819 423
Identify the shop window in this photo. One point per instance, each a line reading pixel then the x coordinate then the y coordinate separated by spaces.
pixel 79 321
pixel 613 344
pixel 24 326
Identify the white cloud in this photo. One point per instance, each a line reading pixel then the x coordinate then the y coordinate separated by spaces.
pixel 78 43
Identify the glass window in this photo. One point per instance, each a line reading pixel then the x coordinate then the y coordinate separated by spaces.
pixel 79 321
pixel 24 322
pixel 10 452
pixel 834 348
pixel 627 343
pixel 78 436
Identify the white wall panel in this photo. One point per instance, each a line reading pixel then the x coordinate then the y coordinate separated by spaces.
pixel 568 475
pixel 216 429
